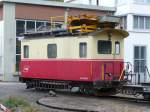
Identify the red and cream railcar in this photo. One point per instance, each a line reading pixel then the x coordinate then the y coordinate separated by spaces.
pixel 83 58
pixel 93 60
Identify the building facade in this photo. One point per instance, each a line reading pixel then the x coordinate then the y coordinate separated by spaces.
pixel 135 18
pixel 108 3
pixel 22 16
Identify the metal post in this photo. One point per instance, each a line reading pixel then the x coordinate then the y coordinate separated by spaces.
pixel 51 25
pixel 66 18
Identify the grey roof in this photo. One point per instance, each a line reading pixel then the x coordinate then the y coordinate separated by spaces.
pixel 58 4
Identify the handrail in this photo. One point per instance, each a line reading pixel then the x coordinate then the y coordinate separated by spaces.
pixel 147 71
pixel 121 74
pixel 132 72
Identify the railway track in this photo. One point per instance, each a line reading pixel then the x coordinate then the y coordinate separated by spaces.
pixel 135 100
pixel 128 99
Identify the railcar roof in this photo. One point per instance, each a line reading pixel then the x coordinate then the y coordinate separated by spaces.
pixel 65 33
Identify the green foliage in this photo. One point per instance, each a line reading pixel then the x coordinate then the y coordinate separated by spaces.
pixel 13 102
pixel 18 105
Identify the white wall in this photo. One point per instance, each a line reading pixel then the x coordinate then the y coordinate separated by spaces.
pixel 9 41
pixel 109 3
pixel 133 8
pixel 140 9
pixel 1 36
pixel 137 39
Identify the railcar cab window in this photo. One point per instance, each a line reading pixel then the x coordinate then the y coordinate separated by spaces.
pixel 83 50
pixel 51 50
pixel 104 47
pixel 117 48
pixel 26 51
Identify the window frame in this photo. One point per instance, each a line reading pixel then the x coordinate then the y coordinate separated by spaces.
pixel 141 2
pixel 139 59
pixel 97 2
pixel 84 53
pixel 29 26
pixel 117 53
pixel 20 27
pixel 25 30
pixel 52 56
pixel 98 48
pixel 26 51
pixel 137 22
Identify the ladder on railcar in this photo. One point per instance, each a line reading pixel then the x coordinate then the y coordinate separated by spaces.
pixel 133 85
pixel 135 77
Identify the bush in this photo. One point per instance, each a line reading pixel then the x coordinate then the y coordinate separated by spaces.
pixel 12 102
pixel 18 105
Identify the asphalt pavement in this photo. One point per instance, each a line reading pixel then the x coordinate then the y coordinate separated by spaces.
pixel 104 104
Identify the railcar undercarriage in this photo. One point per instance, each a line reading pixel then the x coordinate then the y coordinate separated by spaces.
pixel 99 88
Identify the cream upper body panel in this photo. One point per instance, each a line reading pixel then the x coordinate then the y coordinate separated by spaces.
pixel 68 47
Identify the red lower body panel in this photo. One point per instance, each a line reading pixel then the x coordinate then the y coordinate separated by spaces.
pixel 72 70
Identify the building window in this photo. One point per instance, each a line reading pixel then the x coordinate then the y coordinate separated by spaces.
pixel 90 2
pixel 97 2
pixel 26 51
pixel 147 22
pixel 104 47
pixel 20 27
pixel 117 48
pixel 83 49
pixel 141 22
pixel 135 22
pixel 148 1
pixel 27 26
pixel 124 22
pixel 39 25
pixel 139 59
pixel 51 50
pixel 139 1
pixel 18 54
pixel 142 1
pixel 30 26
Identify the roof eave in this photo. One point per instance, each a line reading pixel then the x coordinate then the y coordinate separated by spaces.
pixel 58 4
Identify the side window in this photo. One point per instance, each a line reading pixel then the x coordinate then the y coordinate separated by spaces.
pixel 83 49
pixel 104 47
pixel 51 50
pixel 117 48
pixel 26 51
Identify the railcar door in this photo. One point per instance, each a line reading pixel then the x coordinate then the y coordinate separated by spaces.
pixel 108 68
